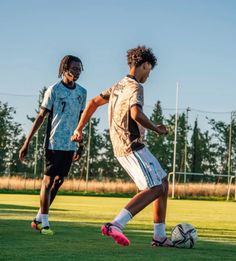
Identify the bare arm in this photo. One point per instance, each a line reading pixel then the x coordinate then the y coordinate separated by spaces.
pixel 36 125
pixel 80 150
pixel 138 116
pixel 86 115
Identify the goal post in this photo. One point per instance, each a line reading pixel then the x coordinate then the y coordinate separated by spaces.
pixel 229 178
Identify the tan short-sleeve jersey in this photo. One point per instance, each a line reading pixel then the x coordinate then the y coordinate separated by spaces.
pixel 126 135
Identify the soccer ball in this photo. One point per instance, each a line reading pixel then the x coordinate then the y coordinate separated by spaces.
pixel 184 236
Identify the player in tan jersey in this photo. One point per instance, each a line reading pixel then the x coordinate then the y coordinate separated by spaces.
pixel 126 134
pixel 127 122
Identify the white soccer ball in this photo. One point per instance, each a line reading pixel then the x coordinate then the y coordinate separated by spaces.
pixel 184 236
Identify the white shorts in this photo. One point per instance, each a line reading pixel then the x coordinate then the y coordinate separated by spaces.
pixel 143 168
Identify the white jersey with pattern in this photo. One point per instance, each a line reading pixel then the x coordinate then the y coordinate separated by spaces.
pixel 65 106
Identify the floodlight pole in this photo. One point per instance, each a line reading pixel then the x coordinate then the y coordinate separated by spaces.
pixel 230 147
pixel 36 148
pixel 36 156
pixel 88 155
pixel 186 144
pixel 232 116
pixel 175 139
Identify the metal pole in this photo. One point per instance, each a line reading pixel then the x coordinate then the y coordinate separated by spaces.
pixel 229 187
pixel 36 156
pixel 88 155
pixel 175 139
pixel 235 186
pixel 230 146
pixel 233 115
pixel 36 147
pixel 186 144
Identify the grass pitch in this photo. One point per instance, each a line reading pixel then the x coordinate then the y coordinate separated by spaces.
pixel 77 222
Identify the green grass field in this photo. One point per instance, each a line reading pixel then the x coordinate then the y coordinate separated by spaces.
pixel 77 221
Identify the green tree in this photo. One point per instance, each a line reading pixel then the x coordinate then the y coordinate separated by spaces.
pixel 196 148
pixel 181 142
pixel 36 148
pixel 221 132
pixel 160 146
pixel 10 134
pixel 202 153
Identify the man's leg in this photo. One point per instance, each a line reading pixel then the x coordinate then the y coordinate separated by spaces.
pixel 136 204
pixel 63 164
pixel 45 195
pixel 58 181
pixel 159 217
pixel 41 221
pixel 45 192
pixel 143 199
pixel 56 162
pixel 148 175
pixel 160 204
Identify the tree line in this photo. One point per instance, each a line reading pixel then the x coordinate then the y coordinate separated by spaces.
pixel 197 151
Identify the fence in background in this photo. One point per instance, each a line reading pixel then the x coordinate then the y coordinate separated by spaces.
pixel 229 179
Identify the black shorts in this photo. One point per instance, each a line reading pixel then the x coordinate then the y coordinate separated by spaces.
pixel 58 162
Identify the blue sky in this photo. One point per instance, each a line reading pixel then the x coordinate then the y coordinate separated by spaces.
pixel 194 41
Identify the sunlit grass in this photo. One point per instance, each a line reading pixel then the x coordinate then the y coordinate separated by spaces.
pixel 77 221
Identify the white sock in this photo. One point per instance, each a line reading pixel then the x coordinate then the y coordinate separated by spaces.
pixel 122 218
pixel 159 230
pixel 45 222
pixel 38 216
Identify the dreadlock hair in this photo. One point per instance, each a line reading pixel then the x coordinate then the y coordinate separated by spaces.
pixel 65 63
pixel 140 55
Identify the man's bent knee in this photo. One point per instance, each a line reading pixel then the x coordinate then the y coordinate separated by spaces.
pixel 165 185
pixel 157 190
pixel 47 182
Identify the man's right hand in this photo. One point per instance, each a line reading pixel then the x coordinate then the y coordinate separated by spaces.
pixel 161 129
pixel 77 136
pixel 23 151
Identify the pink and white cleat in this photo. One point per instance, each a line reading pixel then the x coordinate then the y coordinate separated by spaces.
pixel 109 229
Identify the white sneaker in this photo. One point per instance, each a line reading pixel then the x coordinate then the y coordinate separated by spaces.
pixel 162 242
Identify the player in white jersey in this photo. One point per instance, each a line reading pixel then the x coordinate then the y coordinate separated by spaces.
pixel 63 103
pixel 127 122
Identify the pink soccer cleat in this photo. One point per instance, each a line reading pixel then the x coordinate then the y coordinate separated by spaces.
pixel 109 229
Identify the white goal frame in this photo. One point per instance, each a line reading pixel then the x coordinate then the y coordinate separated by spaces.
pixel 230 180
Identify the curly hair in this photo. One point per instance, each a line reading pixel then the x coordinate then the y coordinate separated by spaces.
pixel 65 63
pixel 140 55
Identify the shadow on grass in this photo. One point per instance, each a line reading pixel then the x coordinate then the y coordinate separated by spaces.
pixel 228 235
pixel 83 241
pixel 7 207
pixel 70 193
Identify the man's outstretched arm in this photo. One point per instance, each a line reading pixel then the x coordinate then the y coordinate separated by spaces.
pixel 86 115
pixel 36 125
